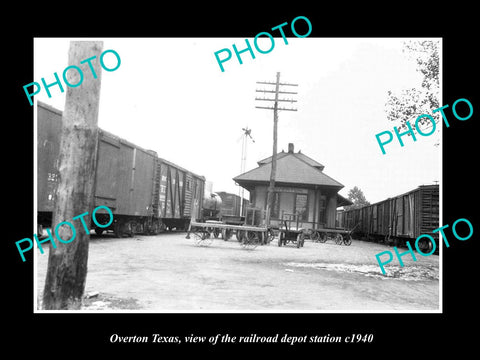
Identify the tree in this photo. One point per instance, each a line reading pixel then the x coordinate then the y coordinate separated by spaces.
pixel 356 196
pixel 411 103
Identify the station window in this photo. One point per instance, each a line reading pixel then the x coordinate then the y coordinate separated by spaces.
pixel 301 206
pixel 275 212
pixel 322 209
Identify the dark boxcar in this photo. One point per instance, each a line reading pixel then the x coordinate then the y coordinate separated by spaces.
pixel 397 219
pixel 144 192
pixel 49 122
pixel 125 183
pixel 230 204
pixel 123 178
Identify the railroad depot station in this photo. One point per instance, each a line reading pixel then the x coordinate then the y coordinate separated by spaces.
pixel 148 194
pixel 301 187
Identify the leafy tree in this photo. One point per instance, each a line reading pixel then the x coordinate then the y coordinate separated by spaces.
pixel 410 103
pixel 356 196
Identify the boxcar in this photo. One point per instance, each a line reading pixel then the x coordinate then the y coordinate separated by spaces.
pixel 231 204
pixel 145 193
pixel 124 181
pixel 179 196
pixel 49 122
pixel 397 219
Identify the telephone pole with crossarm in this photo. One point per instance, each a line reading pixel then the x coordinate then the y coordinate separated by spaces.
pixel 276 109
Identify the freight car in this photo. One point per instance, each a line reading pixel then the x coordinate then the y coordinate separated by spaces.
pixel 231 204
pixel 398 219
pixel 145 192
pixel 212 205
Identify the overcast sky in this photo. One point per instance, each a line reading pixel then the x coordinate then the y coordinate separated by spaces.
pixel 169 95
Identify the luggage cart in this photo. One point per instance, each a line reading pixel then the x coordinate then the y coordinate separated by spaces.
pixel 248 236
pixel 288 233
pixel 338 235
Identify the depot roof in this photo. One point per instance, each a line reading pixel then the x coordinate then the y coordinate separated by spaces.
pixel 292 169
pixel 298 155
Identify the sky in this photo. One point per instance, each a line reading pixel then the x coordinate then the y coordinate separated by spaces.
pixel 169 95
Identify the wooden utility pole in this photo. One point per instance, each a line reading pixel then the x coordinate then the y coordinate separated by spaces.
pixel 67 263
pixel 275 108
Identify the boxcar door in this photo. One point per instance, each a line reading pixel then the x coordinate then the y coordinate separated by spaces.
pixel 106 182
pixel 163 189
pixel 143 180
pixel 400 210
pixel 187 210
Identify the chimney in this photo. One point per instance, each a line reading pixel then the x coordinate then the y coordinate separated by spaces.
pixel 290 148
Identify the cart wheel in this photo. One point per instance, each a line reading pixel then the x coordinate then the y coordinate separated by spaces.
pixel 198 237
pixel 300 240
pixel 262 237
pixel 202 238
pixel 226 234
pixel 208 240
pixel 280 235
pixel 339 239
pixel 270 236
pixel 239 235
pixel 322 237
pixel 250 240
pixel 251 235
pixel 347 240
pixel 209 231
pixel 216 232
pixel 315 236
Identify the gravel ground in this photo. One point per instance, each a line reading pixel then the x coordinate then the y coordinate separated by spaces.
pixel 169 273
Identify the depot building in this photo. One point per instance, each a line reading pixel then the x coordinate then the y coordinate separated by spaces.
pixel 301 187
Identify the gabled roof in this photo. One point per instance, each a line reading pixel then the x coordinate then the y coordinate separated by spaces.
pixel 292 168
pixel 299 155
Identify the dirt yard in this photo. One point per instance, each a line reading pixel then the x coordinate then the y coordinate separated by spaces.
pixel 169 273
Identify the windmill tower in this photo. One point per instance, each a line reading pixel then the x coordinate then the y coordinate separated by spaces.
pixel 247 133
